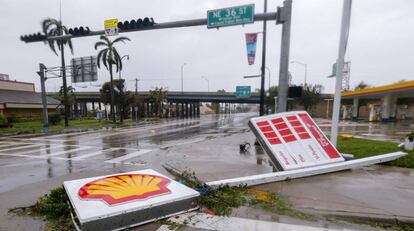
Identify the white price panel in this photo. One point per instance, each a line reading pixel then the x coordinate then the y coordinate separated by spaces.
pixel 293 140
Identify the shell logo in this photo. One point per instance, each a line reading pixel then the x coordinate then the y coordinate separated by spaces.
pixel 125 188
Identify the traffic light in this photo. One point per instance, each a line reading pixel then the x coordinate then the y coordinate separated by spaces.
pixel 79 31
pixel 33 37
pixel 135 24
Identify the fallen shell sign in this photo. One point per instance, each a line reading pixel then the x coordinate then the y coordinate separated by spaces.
pixel 114 201
pixel 293 140
pixel 125 188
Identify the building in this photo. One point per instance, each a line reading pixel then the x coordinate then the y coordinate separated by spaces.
pixel 19 99
pixel 4 76
pixel 384 103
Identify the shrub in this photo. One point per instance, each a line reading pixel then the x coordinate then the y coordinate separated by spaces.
pixel 54 118
pixel 411 136
pixel 3 120
pixel 12 119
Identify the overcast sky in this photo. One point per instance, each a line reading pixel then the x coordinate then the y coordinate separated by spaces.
pixel 381 43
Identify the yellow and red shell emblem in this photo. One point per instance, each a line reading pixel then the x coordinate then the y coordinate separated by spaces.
pixel 125 188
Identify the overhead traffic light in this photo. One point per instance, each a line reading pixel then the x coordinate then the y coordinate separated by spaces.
pixel 79 31
pixel 135 24
pixel 33 37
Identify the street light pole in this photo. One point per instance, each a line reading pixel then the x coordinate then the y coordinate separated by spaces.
pixel 208 83
pixel 306 69
pixel 269 77
pixel 182 77
pixel 125 56
pixel 262 83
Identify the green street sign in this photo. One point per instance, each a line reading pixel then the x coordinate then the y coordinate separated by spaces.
pixel 230 16
pixel 243 91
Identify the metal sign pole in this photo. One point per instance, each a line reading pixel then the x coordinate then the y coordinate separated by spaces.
pixel 346 18
pixel 286 15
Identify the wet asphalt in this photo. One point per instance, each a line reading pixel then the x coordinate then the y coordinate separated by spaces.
pixel 209 146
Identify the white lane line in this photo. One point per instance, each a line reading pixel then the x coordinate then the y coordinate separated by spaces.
pixel 7 144
pixel 82 157
pixel 66 151
pixel 22 147
pixel 183 143
pixel 43 140
pixel 129 156
pixel 219 223
pixel 43 149
pixel 26 156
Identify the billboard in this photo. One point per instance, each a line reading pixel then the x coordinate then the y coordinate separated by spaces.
pixel 293 140
pixel 84 69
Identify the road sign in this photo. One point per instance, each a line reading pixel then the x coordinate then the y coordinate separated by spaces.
pixel 84 69
pixel 243 91
pixel 111 27
pixel 293 140
pixel 118 201
pixel 230 16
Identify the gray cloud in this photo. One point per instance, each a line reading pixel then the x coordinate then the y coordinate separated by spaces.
pixel 380 44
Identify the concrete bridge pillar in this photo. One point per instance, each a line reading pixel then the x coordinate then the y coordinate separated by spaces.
pixel 355 108
pixel 186 110
pixel 198 110
pixel 386 107
pixel 177 110
pixel 148 111
pixel 182 111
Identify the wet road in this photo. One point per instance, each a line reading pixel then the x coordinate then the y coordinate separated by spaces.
pixel 202 144
pixel 209 146
pixel 26 160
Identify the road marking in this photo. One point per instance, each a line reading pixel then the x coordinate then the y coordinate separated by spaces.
pixel 66 151
pixel 209 222
pixel 22 147
pixel 129 156
pixel 183 143
pixel 44 149
pixel 7 144
pixel 82 157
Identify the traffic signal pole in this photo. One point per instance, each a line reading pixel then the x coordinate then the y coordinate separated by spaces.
pixel 343 40
pixel 282 16
pixel 157 26
pixel 285 16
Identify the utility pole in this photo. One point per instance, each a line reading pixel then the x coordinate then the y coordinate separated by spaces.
pixel 182 77
pixel 65 85
pixel 41 73
pixel 262 82
pixel 343 40
pixel 285 16
pixel 136 86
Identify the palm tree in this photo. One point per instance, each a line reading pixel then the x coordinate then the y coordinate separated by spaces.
pixel 109 56
pixel 158 96
pixel 52 27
